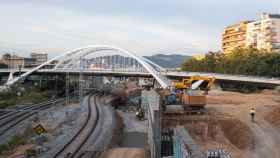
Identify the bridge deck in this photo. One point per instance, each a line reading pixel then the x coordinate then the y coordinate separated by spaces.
pixel 254 79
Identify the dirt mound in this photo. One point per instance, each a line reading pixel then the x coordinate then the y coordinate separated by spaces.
pixel 226 132
pixel 269 92
pixel 274 117
pixel 238 133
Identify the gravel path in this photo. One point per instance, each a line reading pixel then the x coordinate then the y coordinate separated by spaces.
pixel 267 139
pixel 132 124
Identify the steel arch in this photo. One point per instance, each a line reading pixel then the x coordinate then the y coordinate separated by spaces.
pixel 76 54
pixel 162 80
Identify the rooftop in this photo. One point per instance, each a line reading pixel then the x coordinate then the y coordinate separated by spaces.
pixel 268 15
pixel 274 16
pixel 238 24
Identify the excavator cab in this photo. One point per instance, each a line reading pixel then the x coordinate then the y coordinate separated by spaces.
pixel 207 83
pixel 187 83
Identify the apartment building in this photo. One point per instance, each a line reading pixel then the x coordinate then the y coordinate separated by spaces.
pixel 253 34
pixel 16 62
pixel 269 36
pixel 234 36
pixel 40 58
pixel 261 34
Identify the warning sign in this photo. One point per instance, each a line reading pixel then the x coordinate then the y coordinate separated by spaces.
pixel 39 129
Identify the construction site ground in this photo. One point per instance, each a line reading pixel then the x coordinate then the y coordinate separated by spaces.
pixel 229 124
pixel 125 153
pixel 133 141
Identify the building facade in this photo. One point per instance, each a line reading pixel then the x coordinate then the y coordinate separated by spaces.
pixel 234 36
pixel 16 62
pixel 260 34
pixel 40 58
pixel 252 35
pixel 269 37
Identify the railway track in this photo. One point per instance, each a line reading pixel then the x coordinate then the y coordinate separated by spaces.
pixel 73 148
pixel 6 113
pixel 13 118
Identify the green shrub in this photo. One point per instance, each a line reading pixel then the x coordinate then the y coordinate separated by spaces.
pixel 29 95
pixel 7 103
pixel 12 143
pixel 3 148
pixel 15 141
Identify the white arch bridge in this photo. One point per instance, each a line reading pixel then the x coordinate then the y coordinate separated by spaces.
pixel 101 58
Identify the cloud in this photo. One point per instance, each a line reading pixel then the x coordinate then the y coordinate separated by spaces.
pixel 143 27
pixel 60 29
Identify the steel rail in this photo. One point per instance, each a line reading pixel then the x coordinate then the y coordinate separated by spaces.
pixel 14 121
pixel 10 112
pixel 80 131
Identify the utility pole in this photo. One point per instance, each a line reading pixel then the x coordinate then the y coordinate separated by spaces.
pixel 81 82
pixel 56 94
pixel 19 67
pixel 67 88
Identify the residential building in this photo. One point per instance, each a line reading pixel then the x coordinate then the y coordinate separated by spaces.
pixel 234 36
pixel 16 62
pixel 269 37
pixel 253 34
pixel 2 61
pixel 40 58
pixel 260 34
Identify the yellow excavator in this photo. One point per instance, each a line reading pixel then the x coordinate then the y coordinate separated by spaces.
pixel 192 91
pixel 188 82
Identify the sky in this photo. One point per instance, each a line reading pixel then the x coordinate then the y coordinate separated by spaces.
pixel 144 27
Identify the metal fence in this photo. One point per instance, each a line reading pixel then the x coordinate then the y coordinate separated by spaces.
pixel 151 103
pixel 182 142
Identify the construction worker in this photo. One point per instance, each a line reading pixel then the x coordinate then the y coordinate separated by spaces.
pixel 140 114
pixel 252 113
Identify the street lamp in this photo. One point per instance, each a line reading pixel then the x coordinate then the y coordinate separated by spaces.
pixel 19 67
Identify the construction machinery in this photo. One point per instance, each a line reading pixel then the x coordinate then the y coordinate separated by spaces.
pixel 191 92
pixel 188 82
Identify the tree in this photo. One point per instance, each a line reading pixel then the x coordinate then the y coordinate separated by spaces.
pixel 245 61
pixel 6 56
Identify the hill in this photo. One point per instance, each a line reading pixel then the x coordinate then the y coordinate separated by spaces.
pixel 168 61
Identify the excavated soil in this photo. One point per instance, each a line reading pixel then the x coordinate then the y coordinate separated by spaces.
pixel 274 117
pixel 228 133
pixel 249 139
pixel 229 125
pixel 238 133
pixel 125 153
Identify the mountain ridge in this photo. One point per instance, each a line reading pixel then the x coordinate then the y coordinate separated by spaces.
pixel 168 61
